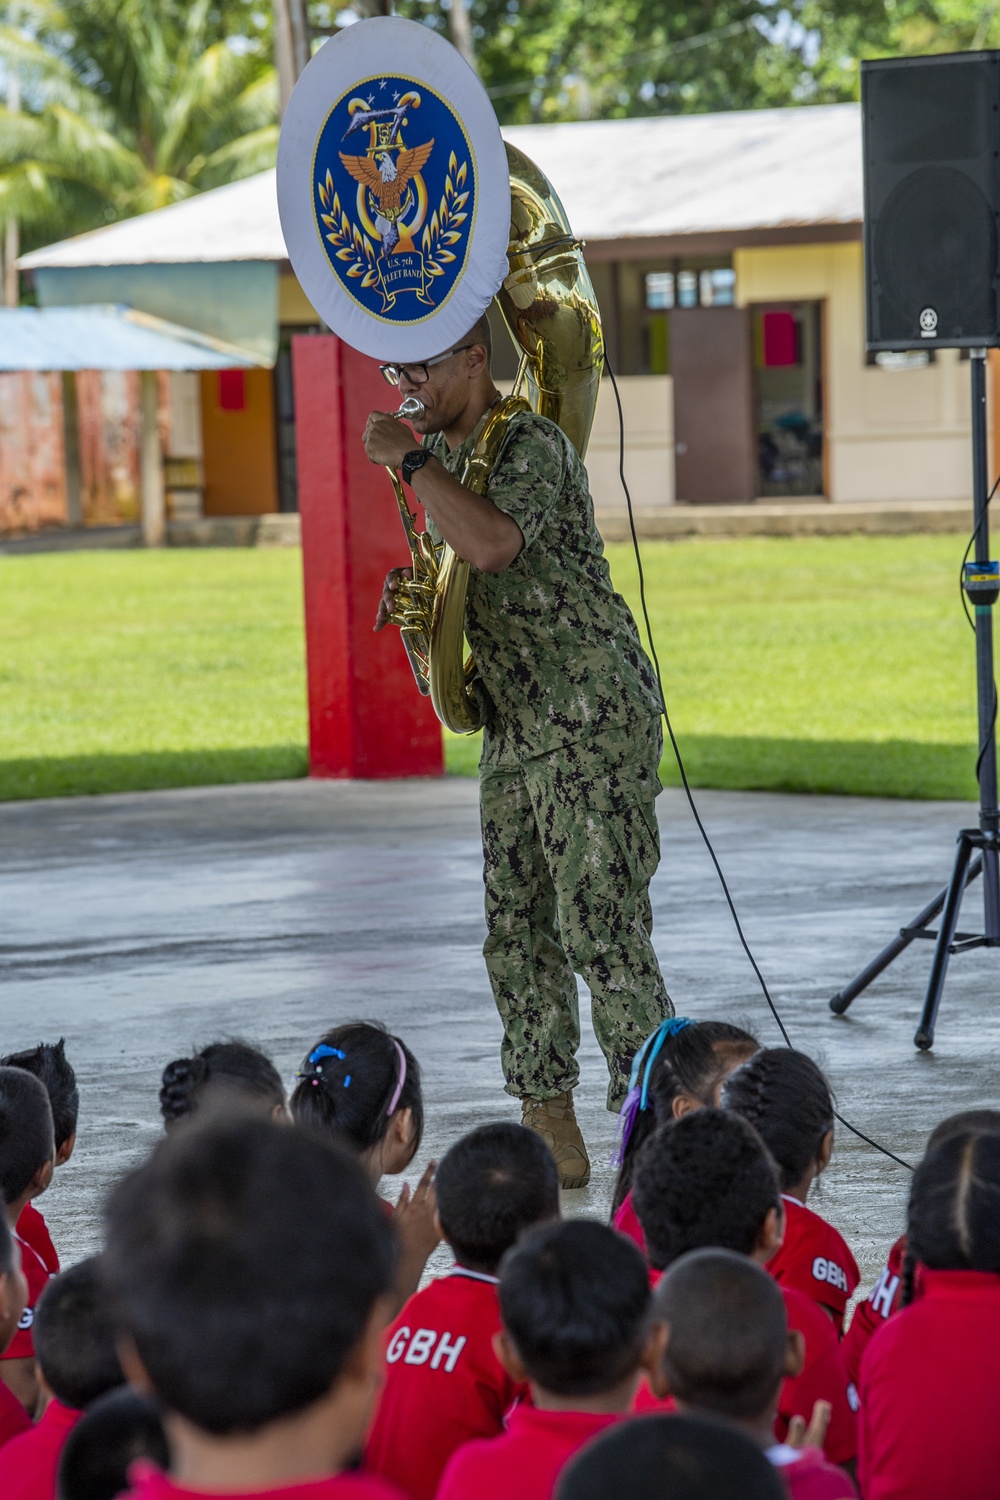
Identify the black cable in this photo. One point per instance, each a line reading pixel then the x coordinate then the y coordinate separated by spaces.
pixel 687 787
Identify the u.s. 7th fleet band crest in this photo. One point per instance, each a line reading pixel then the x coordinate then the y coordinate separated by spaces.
pixel 395 197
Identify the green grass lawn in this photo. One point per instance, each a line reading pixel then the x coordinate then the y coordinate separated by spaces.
pixel 827 664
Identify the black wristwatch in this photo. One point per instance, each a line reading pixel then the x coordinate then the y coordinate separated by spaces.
pixel 412 461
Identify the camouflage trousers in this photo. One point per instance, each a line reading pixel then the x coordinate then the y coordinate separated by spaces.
pixel 570 843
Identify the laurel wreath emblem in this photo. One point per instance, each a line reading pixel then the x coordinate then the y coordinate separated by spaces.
pixel 348 242
pixel 354 247
pixel 443 227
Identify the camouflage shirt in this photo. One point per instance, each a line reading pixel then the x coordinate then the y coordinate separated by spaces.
pixel 557 648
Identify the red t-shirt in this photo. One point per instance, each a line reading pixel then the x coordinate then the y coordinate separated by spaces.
pixel 823 1378
pixel 626 1222
pixel 882 1301
pixel 930 1391
pixel 148 1483
pixel 22 1345
pixel 13 1417
pixel 815 1259
pixel 444 1385
pixel 34 1231
pixel 28 1463
pixel 523 1462
pixel 808 1476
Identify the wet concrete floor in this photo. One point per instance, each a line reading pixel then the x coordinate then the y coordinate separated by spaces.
pixel 142 926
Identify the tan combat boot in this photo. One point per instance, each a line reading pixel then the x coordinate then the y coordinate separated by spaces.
pixel 555 1121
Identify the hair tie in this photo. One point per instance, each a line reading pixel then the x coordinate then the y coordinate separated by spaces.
pixel 316 1057
pixel 637 1099
pixel 402 1077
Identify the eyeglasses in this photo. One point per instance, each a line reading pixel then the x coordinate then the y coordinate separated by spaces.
pixel 417 374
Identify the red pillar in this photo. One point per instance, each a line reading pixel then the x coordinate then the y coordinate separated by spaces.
pixel 366 718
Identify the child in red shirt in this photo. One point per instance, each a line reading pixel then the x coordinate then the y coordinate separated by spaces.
pixel 249 1265
pixel 930 1378
pixel 707 1180
pixel 13 1299
pixel 683 1458
pixel 575 1305
pixel 886 1296
pixel 27 1158
pixel 444 1384
pixel 114 1431
pixel 785 1097
pixel 728 1351
pixel 50 1065
pixel 680 1067
pixel 361 1085
pixel 75 1348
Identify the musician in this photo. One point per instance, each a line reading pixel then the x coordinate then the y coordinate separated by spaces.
pixel 568 770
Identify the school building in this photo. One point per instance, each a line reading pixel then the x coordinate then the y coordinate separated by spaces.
pixel 727 259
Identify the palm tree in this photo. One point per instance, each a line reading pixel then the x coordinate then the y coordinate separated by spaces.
pixel 128 105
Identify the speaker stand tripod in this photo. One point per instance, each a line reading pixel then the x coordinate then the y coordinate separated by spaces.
pixel 978 848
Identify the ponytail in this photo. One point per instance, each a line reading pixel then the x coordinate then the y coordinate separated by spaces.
pixel 954 1212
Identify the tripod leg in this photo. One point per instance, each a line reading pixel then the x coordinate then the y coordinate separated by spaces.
pixel 843 998
pixel 924 1037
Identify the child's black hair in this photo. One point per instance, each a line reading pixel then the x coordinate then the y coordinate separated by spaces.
pixel 953 1222
pixel 691 1059
pixel 982 1121
pixel 728 1334
pixel 492 1185
pixel 6 1248
pixel 704 1180
pixel 118 1429
pixel 786 1097
pixel 354 1080
pixel 574 1298
pixel 683 1458
pixel 245 1260
pixel 27 1139
pixel 234 1067
pixel 49 1063
pixel 75 1336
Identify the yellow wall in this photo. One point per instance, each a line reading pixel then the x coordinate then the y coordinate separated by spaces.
pixel 890 434
pixel 241 472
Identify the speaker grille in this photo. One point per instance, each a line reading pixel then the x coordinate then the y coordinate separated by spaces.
pixel 936 247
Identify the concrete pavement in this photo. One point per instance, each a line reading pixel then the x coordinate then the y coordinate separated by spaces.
pixel 141 926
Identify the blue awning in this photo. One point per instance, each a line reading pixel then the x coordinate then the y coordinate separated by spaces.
pixel 110 338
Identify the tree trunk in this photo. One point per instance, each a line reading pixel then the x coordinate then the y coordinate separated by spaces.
pixel 461 31
pixel 291 45
pixel 10 292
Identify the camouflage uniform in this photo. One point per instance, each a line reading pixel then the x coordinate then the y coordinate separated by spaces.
pixel 568 776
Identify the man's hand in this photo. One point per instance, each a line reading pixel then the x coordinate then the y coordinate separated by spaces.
pixel 388 599
pixel 387 440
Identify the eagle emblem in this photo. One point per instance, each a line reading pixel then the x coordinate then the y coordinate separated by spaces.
pixel 387 181
pixel 394 217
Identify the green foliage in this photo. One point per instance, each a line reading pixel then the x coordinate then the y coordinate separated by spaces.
pixel 129 106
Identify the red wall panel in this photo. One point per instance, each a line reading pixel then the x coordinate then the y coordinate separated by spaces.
pixel 366 718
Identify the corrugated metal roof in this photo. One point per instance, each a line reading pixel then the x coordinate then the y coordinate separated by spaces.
pixel 619 179
pixel 106 338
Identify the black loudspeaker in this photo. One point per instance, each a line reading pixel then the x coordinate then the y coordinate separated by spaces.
pixel 932 200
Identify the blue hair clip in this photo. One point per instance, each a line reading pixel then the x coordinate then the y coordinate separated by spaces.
pixel 318 1053
pixel 637 1099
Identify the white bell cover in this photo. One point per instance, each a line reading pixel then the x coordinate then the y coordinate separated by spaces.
pixel 393 190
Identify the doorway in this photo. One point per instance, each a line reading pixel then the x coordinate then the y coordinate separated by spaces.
pixel 788 398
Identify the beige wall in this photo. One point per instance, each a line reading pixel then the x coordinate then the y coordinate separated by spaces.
pixel 890 434
pixel 648 404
